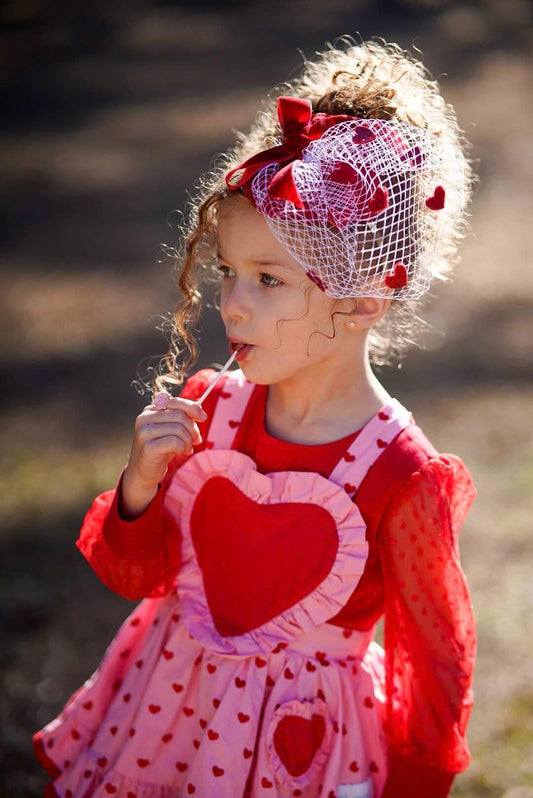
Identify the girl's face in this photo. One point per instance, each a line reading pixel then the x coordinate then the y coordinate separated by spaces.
pixel 268 302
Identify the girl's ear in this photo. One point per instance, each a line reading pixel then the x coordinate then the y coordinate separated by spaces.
pixel 369 310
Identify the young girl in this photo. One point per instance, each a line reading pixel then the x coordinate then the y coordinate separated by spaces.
pixel 269 525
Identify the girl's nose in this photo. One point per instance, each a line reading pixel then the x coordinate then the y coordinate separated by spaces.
pixel 235 301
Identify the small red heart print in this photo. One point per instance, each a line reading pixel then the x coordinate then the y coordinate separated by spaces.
pixel 132 732
pixel 101 761
pixel 143 763
pixel 87 705
pixel 243 718
pixel 166 738
pixel 211 668
pixel 130 794
pixel 135 622
pixel 203 723
pixel 196 744
pixel 50 744
pixel 247 753
pixel 139 663
pixel 198 659
pixel 270 681
pixel 321 695
pixel 373 767
pixel 379 202
pixel 125 654
pixel 117 685
pixel 343 173
pixel 347 633
pixel 288 673
pixel 177 687
pixel 191 788
pixel 368 702
pixel 348 457
pixel 75 734
pixel 310 667
pixel 335 727
pixel 383 416
pixel 266 783
pixel 188 711
pixel 233 424
pixel 176 617
pixel 436 202
pixel 167 654
pixel 154 708
pixel 363 135
pixel 216 702
pixel 209 444
pixel 397 278
pixel 126 697
pixel 213 735
pixel 87 773
pixel 218 771
pixel 225 395
pixel 110 788
pixel 349 488
pixel 239 682
pixel 354 767
pixel 260 662
pixel 381 443
pixel 68 794
pixel 181 766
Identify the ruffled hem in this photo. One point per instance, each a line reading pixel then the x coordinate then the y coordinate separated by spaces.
pixel 320 604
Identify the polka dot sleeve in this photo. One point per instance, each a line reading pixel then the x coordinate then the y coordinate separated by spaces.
pixel 429 625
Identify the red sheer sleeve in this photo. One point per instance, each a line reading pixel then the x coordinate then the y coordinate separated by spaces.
pixel 429 625
pixel 139 558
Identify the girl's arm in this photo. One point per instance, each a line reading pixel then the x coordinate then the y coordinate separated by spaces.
pixel 140 557
pixel 429 631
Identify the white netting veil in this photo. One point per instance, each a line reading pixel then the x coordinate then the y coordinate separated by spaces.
pixel 368 204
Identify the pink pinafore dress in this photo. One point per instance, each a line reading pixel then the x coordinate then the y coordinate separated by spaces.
pixel 234 684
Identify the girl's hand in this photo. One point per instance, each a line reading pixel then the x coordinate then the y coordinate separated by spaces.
pixel 159 436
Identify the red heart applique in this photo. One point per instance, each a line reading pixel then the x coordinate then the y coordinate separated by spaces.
pixel 230 531
pixel 211 668
pixel 154 708
pixel 363 135
pixel 242 717
pixel 348 457
pixel 181 766
pixel 177 687
pixel 166 738
pixel 234 424
pixel 239 682
pixel 310 667
pixel 349 488
pixel 167 654
pixel 354 767
pixel 260 662
pixel 188 711
pixel 213 735
pixel 191 788
pixel 436 202
pixel 343 173
pixel 383 416
pixel 266 783
pixel 203 723
pixel 397 278
pixel 218 771
pixel 379 202
pixel 216 702
pixel 381 444
pixel 297 740
pixel 247 753
pixel 101 761
pixel 143 763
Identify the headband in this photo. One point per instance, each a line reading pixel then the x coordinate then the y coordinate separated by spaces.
pixel 361 204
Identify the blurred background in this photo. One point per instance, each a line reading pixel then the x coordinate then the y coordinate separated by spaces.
pixel 111 110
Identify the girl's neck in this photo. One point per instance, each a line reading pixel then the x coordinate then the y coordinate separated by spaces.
pixel 318 408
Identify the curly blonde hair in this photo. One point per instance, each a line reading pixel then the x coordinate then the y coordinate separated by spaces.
pixel 368 80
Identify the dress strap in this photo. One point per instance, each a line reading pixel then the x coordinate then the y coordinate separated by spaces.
pixel 229 410
pixel 370 444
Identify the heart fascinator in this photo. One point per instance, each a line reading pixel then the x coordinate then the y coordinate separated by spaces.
pixel 361 204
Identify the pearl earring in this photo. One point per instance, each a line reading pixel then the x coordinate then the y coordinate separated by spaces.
pixel 351 324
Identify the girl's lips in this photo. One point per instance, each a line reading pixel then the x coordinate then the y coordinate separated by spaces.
pixel 241 349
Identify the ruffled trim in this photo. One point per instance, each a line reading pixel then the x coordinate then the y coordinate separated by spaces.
pixel 322 603
pixel 306 711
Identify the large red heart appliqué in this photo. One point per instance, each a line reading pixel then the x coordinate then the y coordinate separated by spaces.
pixel 257 560
pixel 297 740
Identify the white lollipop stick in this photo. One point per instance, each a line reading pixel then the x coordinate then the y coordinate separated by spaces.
pixel 212 384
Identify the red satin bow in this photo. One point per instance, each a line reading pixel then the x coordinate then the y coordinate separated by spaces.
pixel 299 127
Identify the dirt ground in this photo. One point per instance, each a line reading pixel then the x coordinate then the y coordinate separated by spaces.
pixel 111 113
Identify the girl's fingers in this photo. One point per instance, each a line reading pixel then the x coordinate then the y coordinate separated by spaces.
pixel 170 444
pixel 191 409
pixel 154 432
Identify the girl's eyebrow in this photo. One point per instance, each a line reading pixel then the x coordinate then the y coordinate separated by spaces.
pixel 263 262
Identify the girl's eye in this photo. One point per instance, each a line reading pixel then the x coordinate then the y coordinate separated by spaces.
pixel 272 282
pixel 225 271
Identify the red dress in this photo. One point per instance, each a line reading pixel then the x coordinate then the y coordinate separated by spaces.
pixel 413 502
